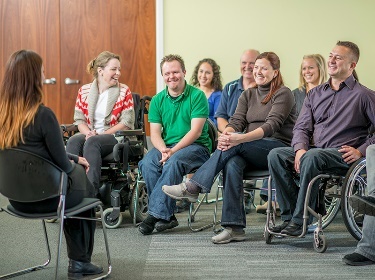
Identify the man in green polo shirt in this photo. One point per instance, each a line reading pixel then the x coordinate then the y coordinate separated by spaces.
pixel 179 134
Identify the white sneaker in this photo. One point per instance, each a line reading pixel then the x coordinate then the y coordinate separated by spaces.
pixel 228 235
pixel 179 192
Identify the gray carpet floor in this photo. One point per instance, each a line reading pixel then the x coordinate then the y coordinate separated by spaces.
pixel 182 254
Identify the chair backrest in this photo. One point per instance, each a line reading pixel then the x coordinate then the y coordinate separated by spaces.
pixel 137 109
pixel 212 132
pixel 26 177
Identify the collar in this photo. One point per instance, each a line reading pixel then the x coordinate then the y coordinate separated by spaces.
pixel 349 82
pixel 178 98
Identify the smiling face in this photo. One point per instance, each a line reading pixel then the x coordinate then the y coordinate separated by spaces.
pixel 310 71
pixel 247 64
pixel 108 75
pixel 205 75
pixel 263 72
pixel 340 63
pixel 174 77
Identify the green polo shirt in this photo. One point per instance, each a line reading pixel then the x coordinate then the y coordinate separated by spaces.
pixel 175 114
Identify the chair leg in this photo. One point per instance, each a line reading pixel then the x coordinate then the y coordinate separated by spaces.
pixel 34 268
pixel 192 213
pixel 106 244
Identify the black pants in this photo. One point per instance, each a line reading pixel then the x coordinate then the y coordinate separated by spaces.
pixel 79 234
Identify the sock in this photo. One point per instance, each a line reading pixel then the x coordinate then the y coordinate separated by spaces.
pixel 192 188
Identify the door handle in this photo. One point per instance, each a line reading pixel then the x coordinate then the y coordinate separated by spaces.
pixel 51 81
pixel 69 81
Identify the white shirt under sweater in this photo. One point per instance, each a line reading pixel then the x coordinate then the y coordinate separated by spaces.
pixel 99 114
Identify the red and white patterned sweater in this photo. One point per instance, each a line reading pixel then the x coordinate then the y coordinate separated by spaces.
pixel 120 106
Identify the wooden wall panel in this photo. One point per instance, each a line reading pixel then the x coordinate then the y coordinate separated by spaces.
pixel 125 27
pixel 33 24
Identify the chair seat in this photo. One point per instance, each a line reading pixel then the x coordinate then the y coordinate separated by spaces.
pixel 86 203
pixel 255 174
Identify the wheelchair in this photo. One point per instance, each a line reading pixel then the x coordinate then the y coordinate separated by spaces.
pixel 334 193
pixel 122 187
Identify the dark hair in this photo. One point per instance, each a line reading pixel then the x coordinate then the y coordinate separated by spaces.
pixel 100 61
pixel 172 57
pixel 276 82
pixel 216 79
pixel 20 96
pixel 352 47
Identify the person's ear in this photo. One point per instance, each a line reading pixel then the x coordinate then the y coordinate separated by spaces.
pixel 276 73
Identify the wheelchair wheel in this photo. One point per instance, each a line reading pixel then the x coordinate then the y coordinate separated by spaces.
pixel 320 242
pixel 111 223
pixel 355 183
pixel 139 203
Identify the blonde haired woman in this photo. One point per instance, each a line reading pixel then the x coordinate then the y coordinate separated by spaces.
pixel 313 72
pixel 102 108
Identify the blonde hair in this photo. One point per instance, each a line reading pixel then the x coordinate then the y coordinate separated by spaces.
pixel 20 96
pixel 322 68
pixel 100 61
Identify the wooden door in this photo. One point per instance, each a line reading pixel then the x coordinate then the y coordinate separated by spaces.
pixel 69 33
pixel 34 25
pixel 125 27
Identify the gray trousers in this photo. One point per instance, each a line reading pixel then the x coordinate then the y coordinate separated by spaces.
pixel 366 246
pixel 93 149
pixel 291 195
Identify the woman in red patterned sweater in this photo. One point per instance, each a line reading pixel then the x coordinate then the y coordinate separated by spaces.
pixel 102 108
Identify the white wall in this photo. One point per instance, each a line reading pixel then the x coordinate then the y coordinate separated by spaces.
pixel 222 29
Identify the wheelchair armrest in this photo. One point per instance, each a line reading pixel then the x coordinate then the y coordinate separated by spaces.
pixel 69 127
pixel 118 148
pixel 134 132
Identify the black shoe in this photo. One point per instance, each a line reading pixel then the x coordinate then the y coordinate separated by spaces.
pixel 77 270
pixel 292 229
pixel 357 260
pixel 279 228
pixel 363 204
pixel 163 224
pixel 148 225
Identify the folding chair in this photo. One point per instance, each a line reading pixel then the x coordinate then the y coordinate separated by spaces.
pixel 26 177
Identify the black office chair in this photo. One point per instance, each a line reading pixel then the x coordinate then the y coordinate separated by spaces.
pixel 26 177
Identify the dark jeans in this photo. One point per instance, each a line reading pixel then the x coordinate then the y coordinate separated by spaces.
pixel 79 234
pixel 290 195
pixel 156 175
pixel 94 149
pixel 233 162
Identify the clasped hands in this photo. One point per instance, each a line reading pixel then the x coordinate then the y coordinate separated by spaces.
pixel 228 140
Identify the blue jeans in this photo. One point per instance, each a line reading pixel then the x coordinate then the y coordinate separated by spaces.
pixel 156 175
pixel 93 149
pixel 366 246
pixel 290 196
pixel 233 162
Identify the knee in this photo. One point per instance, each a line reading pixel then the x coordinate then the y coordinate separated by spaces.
pixel 234 165
pixel 275 155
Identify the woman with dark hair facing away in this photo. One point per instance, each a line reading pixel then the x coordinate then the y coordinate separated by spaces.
pixel 102 108
pixel 266 113
pixel 207 77
pixel 25 123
